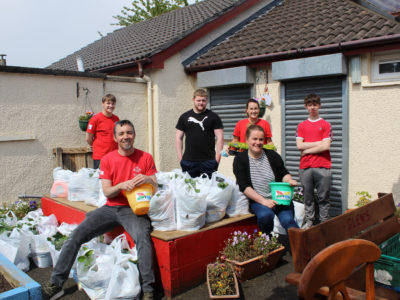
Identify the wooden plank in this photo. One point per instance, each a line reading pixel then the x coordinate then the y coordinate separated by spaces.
pixel 294 279
pixel 74 150
pixel 382 231
pixel 162 235
pixel 172 235
pixel 307 243
pixel 81 205
pixel 58 153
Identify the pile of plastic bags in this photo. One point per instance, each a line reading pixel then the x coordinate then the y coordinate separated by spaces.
pixel 83 185
pixel 31 237
pixel 104 271
pixel 185 203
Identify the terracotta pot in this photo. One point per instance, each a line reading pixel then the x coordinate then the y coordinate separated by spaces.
pixel 236 296
pixel 254 267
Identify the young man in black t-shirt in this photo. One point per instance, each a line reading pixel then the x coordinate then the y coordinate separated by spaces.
pixel 200 126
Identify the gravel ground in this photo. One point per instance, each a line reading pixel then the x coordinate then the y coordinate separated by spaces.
pixel 271 285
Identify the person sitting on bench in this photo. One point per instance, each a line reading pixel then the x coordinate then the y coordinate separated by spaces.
pixel 122 169
pixel 254 170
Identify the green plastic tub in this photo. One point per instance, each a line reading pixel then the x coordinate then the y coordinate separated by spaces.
pixel 282 192
pixel 387 267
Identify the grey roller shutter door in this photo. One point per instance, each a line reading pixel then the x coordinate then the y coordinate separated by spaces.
pixel 230 104
pixel 331 92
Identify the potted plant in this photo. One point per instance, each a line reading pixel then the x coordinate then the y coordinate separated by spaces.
pixel 363 199
pixel 233 148
pixel 221 281
pixel 252 254
pixel 84 120
pixel 263 107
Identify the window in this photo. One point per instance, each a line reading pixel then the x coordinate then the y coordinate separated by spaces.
pixel 386 67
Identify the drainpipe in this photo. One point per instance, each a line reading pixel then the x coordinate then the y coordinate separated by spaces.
pixel 150 113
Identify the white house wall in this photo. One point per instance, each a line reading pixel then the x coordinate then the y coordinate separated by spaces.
pixel 172 96
pixel 40 112
pixel 374 145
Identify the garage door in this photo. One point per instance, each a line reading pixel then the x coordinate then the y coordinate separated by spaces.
pixel 334 110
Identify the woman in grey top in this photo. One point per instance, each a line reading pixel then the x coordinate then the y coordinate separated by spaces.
pixel 254 170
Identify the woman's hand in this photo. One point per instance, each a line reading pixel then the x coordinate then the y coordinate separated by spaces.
pixel 292 182
pixel 269 203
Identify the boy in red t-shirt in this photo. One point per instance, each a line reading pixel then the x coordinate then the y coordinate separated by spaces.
pixel 313 139
pixel 99 133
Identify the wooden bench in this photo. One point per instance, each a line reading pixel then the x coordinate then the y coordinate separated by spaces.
pixel 375 222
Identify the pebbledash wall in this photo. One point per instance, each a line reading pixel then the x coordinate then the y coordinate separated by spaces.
pixel 40 112
pixel 374 144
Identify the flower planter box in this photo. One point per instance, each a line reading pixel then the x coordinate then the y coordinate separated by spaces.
pixel 235 296
pixel 254 267
pixel 25 287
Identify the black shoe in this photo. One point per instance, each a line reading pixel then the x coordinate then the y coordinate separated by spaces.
pixel 147 296
pixel 52 291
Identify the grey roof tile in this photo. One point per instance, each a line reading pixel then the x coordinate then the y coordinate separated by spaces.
pixel 146 38
pixel 299 24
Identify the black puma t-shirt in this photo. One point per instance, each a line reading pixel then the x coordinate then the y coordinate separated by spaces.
pixel 199 134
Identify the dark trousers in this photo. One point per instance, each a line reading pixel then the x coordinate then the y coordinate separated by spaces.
pixel 96 163
pixel 197 168
pixel 100 221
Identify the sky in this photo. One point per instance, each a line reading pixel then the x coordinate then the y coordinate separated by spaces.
pixel 36 33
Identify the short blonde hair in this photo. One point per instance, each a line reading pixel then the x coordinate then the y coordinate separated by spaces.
pixel 109 97
pixel 200 93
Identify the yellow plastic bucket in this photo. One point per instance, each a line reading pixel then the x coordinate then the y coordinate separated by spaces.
pixel 139 198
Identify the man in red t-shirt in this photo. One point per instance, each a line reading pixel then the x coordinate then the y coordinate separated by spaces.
pixel 99 133
pixel 313 138
pixel 122 169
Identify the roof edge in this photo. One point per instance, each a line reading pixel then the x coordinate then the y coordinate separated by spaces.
pixel 57 72
pixel 291 54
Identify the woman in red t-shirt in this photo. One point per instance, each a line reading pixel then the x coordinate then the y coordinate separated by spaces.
pixel 252 112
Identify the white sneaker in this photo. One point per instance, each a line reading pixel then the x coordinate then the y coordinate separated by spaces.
pixel 307 224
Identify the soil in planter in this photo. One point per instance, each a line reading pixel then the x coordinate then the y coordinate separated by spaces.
pixel 4 285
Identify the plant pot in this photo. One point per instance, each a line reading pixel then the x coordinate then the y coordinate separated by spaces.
pixel 83 124
pixel 254 267
pixel 235 296
pixel 262 112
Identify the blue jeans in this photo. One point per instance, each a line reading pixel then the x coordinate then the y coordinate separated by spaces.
pixel 196 168
pixel 102 220
pixel 265 216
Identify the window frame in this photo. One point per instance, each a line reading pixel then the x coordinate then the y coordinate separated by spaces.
pixel 377 60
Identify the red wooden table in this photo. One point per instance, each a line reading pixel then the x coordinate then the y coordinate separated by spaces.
pixel 181 257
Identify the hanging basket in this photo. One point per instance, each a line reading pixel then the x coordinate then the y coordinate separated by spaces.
pixel 262 112
pixel 83 124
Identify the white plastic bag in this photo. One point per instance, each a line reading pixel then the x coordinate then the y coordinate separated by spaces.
pixel 47 225
pixel 124 281
pixel 92 188
pixel 298 217
pixel 60 185
pixel 162 210
pixel 239 204
pixel 218 197
pixel 16 248
pixel 61 174
pixel 190 205
pixel 76 186
pixel 298 212
pixel 102 198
